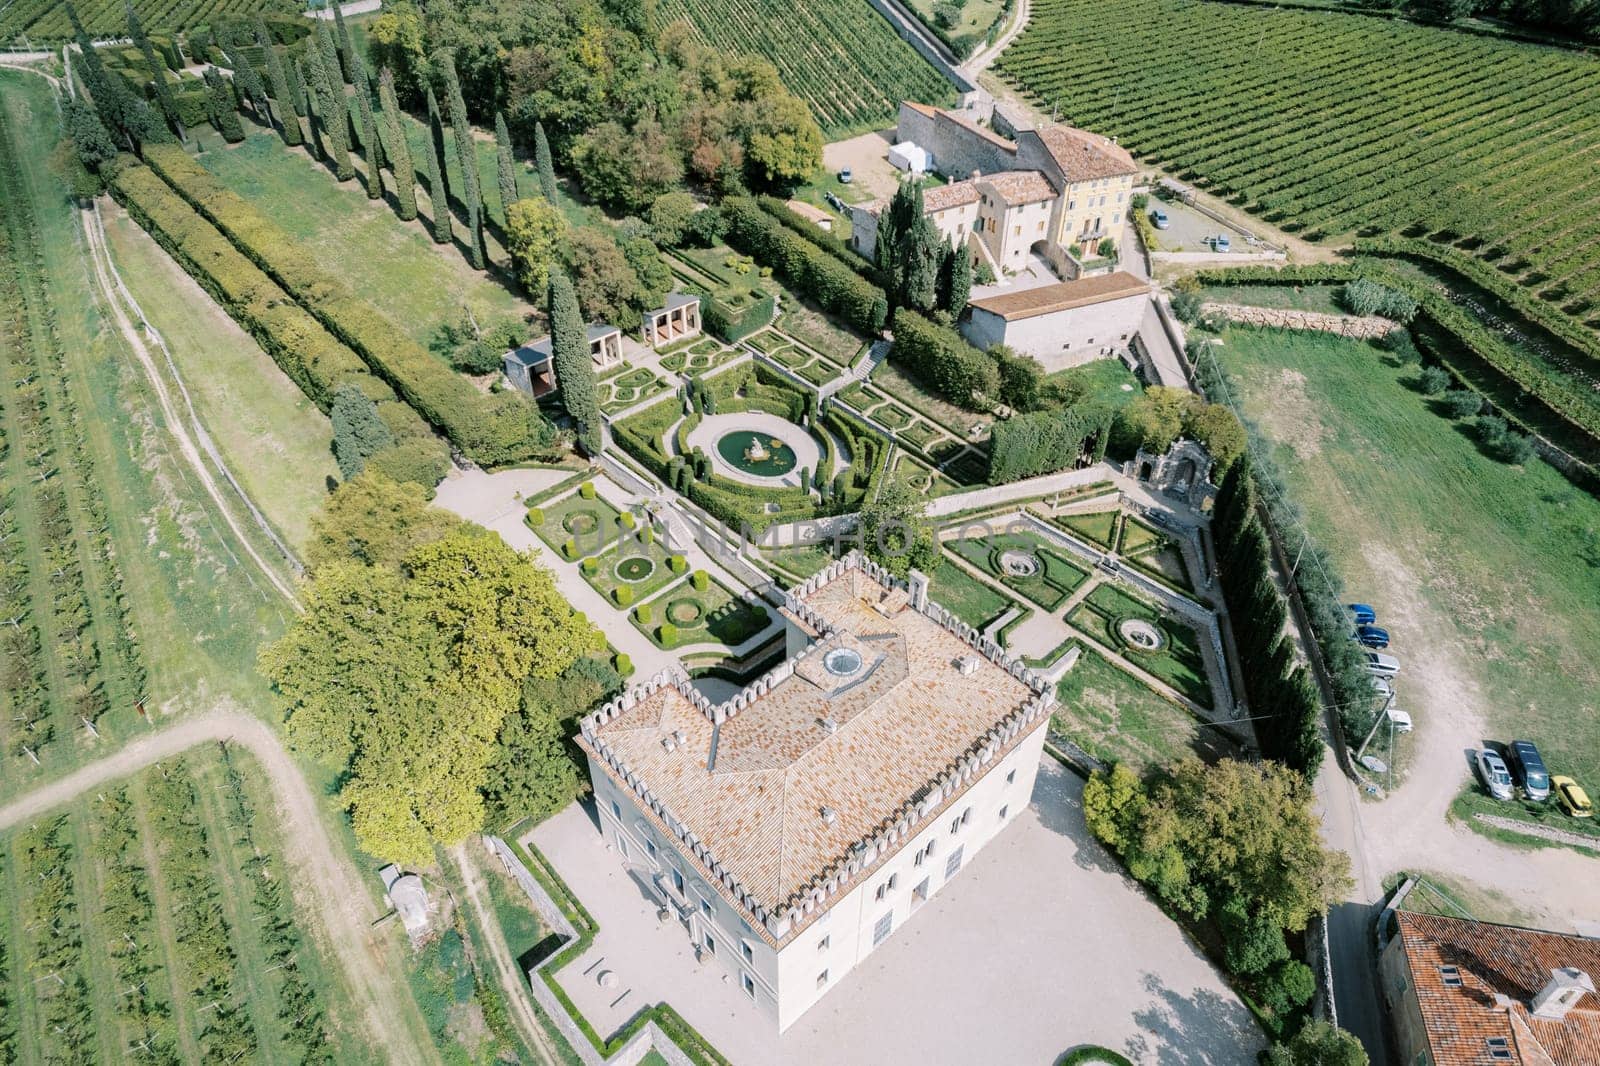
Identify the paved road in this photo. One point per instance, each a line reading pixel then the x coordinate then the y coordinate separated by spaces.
pixel 321 869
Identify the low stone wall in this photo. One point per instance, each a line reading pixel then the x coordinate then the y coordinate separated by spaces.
pixel 1370 327
pixel 928 46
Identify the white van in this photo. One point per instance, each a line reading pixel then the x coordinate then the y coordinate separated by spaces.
pixel 1380 665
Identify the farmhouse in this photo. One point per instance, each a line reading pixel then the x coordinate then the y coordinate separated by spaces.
pixel 1065 324
pixel 1056 192
pixel 794 828
pixel 531 367
pixel 1463 992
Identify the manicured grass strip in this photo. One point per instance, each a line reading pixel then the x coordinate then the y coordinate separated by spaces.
pixel 1096 526
pixel 969 599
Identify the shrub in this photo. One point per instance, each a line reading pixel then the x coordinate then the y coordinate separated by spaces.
pixel 643 613
pixel 942 359
pixel 677 564
pixel 1461 403
pixel 623 595
pixel 1515 448
pixel 1434 380
pixel 1186 305
pixel 591 565
pixel 667 634
pixel 569 548
pixel 1366 297
pixel 535 516
pixel 700 580
pixel 808 268
pixel 1045 441
pixel 623 663
pixel 586 490
pixel 626 520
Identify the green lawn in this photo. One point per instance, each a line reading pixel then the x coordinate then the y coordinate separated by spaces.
pixel 1474 800
pixel 1480 569
pixel 273 439
pixel 714 615
pixel 958 421
pixel 1104 380
pixel 802 561
pixel 591 524
pixel 966 597
pixel 1096 526
pixel 1179 663
pixel 1139 537
pixel 393 265
pixel 1319 298
pixel 1116 717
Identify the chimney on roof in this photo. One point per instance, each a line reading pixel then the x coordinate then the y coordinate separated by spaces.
pixel 829 726
pixel 1560 994
pixel 968 665
pixel 976 174
pixel 829 816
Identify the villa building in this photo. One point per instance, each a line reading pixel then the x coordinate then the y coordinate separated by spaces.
pixel 1465 993
pixel 676 320
pixel 795 827
pixel 531 367
pixel 1056 192
pixel 1062 325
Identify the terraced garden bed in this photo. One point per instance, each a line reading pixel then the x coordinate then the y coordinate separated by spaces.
pixel 1025 563
pixel 1179 661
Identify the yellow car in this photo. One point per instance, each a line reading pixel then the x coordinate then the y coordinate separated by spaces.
pixel 1571 796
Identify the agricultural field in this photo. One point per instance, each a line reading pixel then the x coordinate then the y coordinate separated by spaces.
pixel 1485 574
pixel 74 674
pixel 39 22
pixel 154 918
pixel 1332 125
pixel 840 56
pixel 391 264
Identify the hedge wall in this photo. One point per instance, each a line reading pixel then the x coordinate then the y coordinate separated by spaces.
pixel 808 268
pixel 1047 441
pixel 312 358
pixel 493 429
pixel 942 359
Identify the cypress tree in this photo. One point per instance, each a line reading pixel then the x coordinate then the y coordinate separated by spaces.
pixel 287 98
pixel 221 107
pixel 957 278
pixel 329 52
pixel 405 178
pixel 249 81
pixel 466 156
pixel 569 351
pixel 158 68
pixel 437 193
pixel 347 52
pixel 541 160
pixel 331 110
pixel 358 431
pixel 506 166
pixel 369 129
pixel 302 92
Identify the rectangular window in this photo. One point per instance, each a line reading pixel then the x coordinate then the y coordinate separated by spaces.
pixel 822 978
pixel 880 932
pixel 966 816
pixel 616 810
pixel 822 945
pixel 748 985
pixel 1003 811
pixel 1016 231
pixel 650 848
pixel 705 907
pixel 952 864
pixel 882 890
pixel 1011 778
pixel 622 846
pixel 677 880
pixel 1072 205
pixel 1450 976
pixel 711 945
pixel 744 949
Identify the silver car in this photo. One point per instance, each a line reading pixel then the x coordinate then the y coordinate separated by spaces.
pixel 1496 778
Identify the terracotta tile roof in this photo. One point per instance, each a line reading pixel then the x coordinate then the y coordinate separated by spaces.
pixel 1084 156
pixel 1020 186
pixel 1062 296
pixel 873 720
pixel 1500 968
pixel 944 197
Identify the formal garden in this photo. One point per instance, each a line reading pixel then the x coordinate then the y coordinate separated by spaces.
pixel 700 610
pixel 1026 563
pixel 1136 542
pixel 626 385
pixel 576 525
pixel 1114 716
pixel 632 570
pixel 1160 644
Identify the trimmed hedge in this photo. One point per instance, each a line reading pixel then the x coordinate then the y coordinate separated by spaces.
pixel 942 359
pixel 808 268
pixel 311 357
pixel 821 238
pixel 493 429
pixel 1047 441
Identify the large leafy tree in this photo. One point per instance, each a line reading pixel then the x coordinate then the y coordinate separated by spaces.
pixel 375 521
pixel 534 772
pixel 569 346
pixel 895 532
pixel 1317 1044
pixel 401 677
pixel 608 287
pixel 535 232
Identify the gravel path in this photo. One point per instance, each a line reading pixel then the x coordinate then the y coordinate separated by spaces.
pixel 322 871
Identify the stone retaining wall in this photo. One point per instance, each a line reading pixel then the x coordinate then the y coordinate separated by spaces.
pixel 1370 327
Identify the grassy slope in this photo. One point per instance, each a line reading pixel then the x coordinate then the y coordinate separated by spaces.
pixel 392 264
pixel 1503 563
pixel 273 438
pixel 1113 715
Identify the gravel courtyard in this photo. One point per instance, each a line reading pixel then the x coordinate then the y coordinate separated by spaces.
pixel 1041 945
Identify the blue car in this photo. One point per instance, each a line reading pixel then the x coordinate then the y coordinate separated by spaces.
pixel 1363 615
pixel 1372 636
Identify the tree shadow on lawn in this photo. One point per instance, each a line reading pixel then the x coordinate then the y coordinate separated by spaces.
pixel 1200 1029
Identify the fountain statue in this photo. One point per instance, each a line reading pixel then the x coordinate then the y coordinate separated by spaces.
pixel 755 453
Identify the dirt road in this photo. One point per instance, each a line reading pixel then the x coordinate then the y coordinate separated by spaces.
pixel 322 871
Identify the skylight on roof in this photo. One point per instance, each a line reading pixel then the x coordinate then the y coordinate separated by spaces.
pixel 1450 976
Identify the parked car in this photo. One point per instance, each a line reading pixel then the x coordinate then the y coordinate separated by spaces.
pixel 1361 614
pixel 1496 778
pixel 846 177
pixel 1383 688
pixel 1372 636
pixel 1529 769
pixel 1571 797
pixel 1398 718
pixel 1381 665
pixel 1159 219
pixel 1221 243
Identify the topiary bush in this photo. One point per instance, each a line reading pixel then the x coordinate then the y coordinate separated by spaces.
pixel 700 580
pixel 535 516
pixel 586 490
pixel 677 564
pixel 643 613
pixel 624 664
pixel 626 520
pixel 591 565
pixel 667 634
pixel 623 595
pixel 569 549
pixel 1092 1054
